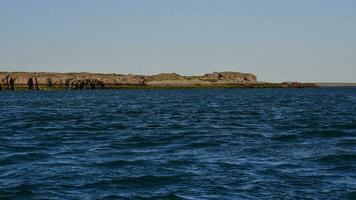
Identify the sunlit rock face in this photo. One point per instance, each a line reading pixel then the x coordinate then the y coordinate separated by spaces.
pixel 12 80
pixel 230 77
pixel 90 81
pixel 37 81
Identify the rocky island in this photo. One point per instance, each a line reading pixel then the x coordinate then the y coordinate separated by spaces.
pixel 72 81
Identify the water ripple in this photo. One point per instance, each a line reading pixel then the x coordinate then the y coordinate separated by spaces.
pixel 178 144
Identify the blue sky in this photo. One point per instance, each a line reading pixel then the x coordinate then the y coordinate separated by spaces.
pixel 278 40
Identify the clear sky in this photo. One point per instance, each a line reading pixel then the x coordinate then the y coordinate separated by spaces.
pixel 278 40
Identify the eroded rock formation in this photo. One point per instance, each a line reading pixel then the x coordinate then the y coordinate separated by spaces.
pixel 7 82
pixel 89 81
pixel 36 81
pixel 216 78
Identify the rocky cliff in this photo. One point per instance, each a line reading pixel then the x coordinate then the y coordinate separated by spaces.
pixel 69 81
pixel 37 81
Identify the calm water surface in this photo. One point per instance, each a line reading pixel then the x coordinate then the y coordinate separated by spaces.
pixel 178 144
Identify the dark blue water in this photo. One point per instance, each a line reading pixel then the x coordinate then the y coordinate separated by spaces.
pixel 178 144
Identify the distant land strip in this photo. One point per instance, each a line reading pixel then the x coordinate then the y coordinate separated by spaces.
pixel 335 84
pixel 91 81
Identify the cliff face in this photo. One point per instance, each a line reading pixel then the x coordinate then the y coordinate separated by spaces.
pixel 37 81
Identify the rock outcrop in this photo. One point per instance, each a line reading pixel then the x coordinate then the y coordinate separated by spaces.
pixel 89 81
pixel 36 81
pixel 216 78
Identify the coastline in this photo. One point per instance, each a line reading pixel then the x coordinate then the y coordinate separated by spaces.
pixel 90 81
pixel 336 85
pixel 146 87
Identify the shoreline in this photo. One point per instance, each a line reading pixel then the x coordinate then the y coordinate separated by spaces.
pixel 336 85
pixel 93 81
pixel 148 87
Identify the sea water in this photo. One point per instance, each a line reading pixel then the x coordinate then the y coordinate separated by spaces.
pixel 178 144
